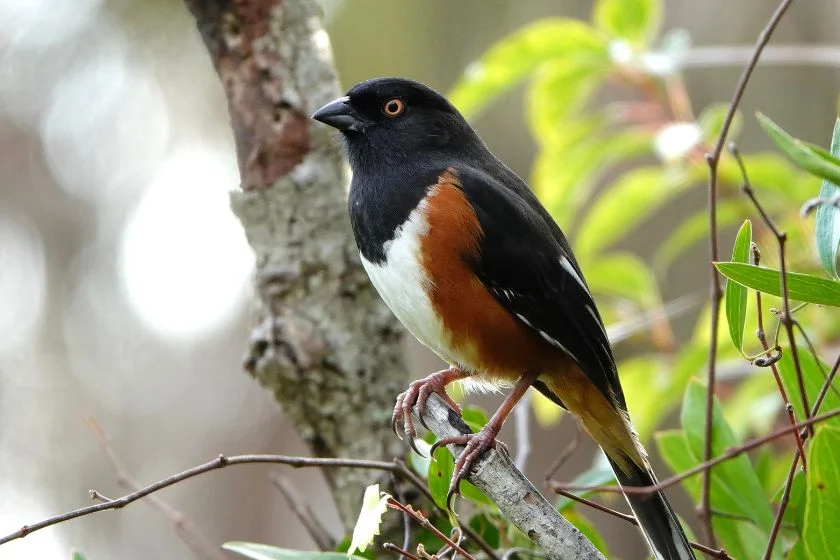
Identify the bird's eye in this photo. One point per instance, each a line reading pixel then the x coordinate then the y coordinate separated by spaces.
pixel 393 107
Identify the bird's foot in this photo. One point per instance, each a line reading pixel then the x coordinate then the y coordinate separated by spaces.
pixel 475 445
pixel 417 393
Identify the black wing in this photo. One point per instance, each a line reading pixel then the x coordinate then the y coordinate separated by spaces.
pixel 528 266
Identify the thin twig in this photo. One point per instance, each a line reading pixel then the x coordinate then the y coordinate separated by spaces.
pixel 702 467
pixel 721 553
pixel 762 337
pixel 783 503
pixel 567 452
pixel 777 522
pixel 786 316
pixel 716 291
pixel 409 475
pixel 219 462
pixel 391 547
pixel 316 530
pixel 615 513
pixel 185 528
pixel 426 524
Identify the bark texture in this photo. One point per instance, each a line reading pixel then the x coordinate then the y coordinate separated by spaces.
pixel 325 345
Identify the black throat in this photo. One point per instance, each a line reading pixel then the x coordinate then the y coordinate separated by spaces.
pixel 381 201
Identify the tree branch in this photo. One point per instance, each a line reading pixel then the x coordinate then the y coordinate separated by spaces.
pixel 325 345
pixel 517 499
pixel 219 462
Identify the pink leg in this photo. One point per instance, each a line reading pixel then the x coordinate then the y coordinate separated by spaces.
pixel 475 445
pixel 417 393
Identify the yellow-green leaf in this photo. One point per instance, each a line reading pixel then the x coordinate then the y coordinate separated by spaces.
pixel 623 275
pixel 520 53
pixel 636 21
pixel 624 204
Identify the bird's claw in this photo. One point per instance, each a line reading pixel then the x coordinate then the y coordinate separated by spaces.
pixel 475 446
pixel 416 395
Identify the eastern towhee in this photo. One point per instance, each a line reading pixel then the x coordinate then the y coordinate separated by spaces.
pixel 473 265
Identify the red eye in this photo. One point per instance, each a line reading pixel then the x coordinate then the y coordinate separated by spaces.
pixel 393 107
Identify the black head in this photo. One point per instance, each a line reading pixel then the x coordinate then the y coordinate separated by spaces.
pixel 386 118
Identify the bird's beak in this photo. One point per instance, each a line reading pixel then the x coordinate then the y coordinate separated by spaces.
pixel 340 114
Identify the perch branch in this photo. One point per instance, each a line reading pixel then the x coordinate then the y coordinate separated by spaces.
pixel 517 499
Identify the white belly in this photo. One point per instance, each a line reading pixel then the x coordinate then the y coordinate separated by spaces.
pixel 402 283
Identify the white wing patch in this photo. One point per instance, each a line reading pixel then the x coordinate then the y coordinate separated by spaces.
pixel 567 266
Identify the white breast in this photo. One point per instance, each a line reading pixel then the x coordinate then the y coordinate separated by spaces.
pixel 403 284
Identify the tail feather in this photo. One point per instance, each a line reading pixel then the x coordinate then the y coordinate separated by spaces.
pixel 657 520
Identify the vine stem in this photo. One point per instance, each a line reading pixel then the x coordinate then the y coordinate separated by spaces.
pixel 713 159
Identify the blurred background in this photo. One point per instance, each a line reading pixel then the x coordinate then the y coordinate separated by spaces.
pixel 125 281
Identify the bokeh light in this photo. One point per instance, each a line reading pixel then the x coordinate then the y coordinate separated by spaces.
pixel 184 257
pixel 106 127
pixel 22 280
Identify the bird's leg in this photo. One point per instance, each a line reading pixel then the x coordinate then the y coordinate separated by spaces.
pixel 475 445
pixel 417 393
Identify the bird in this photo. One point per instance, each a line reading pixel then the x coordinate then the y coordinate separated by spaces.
pixel 473 265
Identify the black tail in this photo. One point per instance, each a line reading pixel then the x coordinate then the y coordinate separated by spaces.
pixel 657 520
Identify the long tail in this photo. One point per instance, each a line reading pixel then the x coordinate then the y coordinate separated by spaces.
pixel 610 427
pixel 657 520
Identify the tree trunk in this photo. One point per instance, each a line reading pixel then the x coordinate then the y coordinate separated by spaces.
pixel 325 345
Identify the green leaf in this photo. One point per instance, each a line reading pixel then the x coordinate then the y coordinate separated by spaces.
pixel 768 172
pixel 520 53
pixel 558 92
pixel 474 417
pixel 568 168
pixel 754 408
pixel 623 275
pixel 795 512
pixel 440 475
pixel 828 216
pixel 77 555
pixel 256 551
pixel 678 454
pixel 797 551
pixel 482 524
pixel 643 190
pixel 711 122
pixel 822 512
pixel 736 294
pixel 589 531
pixel 812 159
pixel 636 21
pixel 813 377
pixel 770 470
pixel 735 485
pixel 801 287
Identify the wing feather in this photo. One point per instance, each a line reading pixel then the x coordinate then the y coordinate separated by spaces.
pixel 528 266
